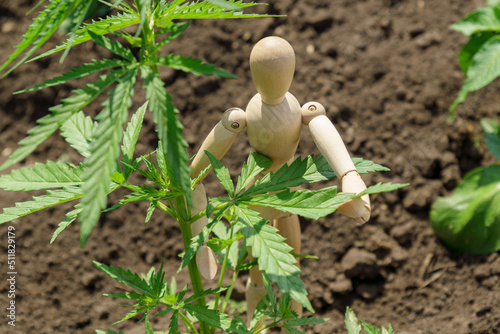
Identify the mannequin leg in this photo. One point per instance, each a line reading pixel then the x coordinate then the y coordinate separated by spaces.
pixel 254 289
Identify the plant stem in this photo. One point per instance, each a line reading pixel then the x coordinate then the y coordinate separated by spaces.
pixel 188 323
pixel 194 273
pixel 229 291
pixel 221 278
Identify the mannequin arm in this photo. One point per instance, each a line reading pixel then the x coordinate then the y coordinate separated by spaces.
pixel 219 140
pixel 217 143
pixel 332 147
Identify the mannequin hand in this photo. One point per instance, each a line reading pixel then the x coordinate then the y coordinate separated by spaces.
pixel 358 208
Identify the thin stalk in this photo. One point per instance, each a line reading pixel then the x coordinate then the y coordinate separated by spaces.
pixel 194 273
pixel 229 291
pixel 223 270
pixel 221 278
pixel 169 211
pixel 188 323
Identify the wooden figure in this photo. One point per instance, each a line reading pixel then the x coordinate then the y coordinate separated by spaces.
pixel 273 120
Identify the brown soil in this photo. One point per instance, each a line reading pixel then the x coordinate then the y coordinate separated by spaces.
pixel 386 71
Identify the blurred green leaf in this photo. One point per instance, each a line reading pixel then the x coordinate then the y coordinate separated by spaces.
pixel 469 220
pixel 482 70
pixel 484 19
pixel 352 322
pixel 475 44
pixel 491 130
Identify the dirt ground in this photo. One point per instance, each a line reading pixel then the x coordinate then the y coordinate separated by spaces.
pixel 386 70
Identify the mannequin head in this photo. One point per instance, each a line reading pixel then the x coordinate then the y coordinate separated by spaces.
pixel 272 64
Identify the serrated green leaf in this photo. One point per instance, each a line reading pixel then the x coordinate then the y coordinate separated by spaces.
pixel 78 132
pixel 126 295
pixel 471 48
pixel 101 164
pixel 130 138
pixel 101 27
pixel 42 176
pixel 484 68
pixel 351 322
pixel 75 20
pixel 143 7
pixel 114 46
pixel 174 323
pixel 491 130
pixel 147 326
pixel 131 314
pixel 469 220
pixel 169 131
pixel 273 255
pixel 224 4
pixel 53 197
pixel 215 318
pixel 70 217
pixel 292 330
pixel 256 164
pixel 204 293
pixel 309 170
pixel 382 188
pixel 43 26
pixel 174 29
pixel 312 204
pixel 149 213
pixel 370 329
pixel 205 10
pixel 222 174
pixel 125 277
pixel 60 114
pixel 78 72
pixel 484 19
pixel 306 321
pixel 153 172
pixel 367 166
pixel 189 65
pixel 108 332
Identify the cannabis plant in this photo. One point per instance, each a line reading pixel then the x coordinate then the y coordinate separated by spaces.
pixel 107 144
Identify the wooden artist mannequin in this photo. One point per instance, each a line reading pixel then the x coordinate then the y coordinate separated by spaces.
pixel 273 120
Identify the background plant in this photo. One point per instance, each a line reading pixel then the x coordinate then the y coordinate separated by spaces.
pixel 469 219
pixel 108 145
pixel 480 57
pixel 354 325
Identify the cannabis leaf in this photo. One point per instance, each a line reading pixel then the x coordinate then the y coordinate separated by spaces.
pixel 169 131
pixel 273 255
pixel 42 176
pixel 101 164
pixel 43 26
pixel 187 64
pixel 78 132
pixel 60 114
pixel 305 203
pixel 53 197
pixel 130 138
pixel 125 277
pixel 79 72
pixel 100 27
